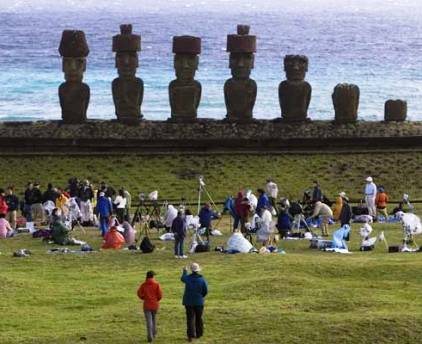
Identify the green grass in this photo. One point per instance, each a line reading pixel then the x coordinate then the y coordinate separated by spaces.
pixel 305 296
pixel 175 176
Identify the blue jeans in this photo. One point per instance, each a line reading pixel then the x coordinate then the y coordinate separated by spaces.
pixel 103 224
pixel 178 246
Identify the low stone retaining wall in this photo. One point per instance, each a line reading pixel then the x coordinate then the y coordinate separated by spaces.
pixel 97 136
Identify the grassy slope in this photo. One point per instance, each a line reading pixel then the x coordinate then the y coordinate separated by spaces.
pixel 302 297
pixel 176 176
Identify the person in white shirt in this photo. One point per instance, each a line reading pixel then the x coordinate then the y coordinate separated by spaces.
pixel 265 227
pixel 272 192
pixel 171 214
pixel 120 203
pixel 370 196
pixel 325 212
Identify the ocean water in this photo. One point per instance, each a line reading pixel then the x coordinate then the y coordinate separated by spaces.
pixel 374 44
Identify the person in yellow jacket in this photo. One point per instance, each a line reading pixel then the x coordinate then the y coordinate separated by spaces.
pixel 338 206
pixel 61 202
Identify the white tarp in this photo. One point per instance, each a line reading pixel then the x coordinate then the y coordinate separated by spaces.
pixel 238 242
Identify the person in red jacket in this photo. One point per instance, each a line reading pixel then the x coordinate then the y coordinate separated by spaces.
pixel 242 207
pixel 3 205
pixel 150 292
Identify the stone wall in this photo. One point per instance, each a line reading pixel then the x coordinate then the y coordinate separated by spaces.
pixel 206 136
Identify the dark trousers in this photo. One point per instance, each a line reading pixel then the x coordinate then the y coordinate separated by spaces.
pixel 195 325
pixel 178 246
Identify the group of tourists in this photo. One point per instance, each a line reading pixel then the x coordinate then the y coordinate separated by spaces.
pixel 196 289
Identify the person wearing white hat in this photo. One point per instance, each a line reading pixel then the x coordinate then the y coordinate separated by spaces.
pixel 196 288
pixel 370 196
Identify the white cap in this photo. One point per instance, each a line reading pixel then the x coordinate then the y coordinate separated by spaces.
pixel 369 179
pixel 195 267
pixel 342 194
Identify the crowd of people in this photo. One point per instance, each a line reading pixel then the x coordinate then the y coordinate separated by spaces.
pixel 110 210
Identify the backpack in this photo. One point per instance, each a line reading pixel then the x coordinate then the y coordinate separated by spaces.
pixel 203 247
pixel 146 245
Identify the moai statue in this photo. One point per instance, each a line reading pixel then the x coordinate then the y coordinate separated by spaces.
pixel 73 93
pixel 395 110
pixel 346 103
pixel 240 90
pixel 128 90
pixel 185 91
pixel 294 93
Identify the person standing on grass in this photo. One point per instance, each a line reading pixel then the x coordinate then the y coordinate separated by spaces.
pixel 381 202
pixel 316 192
pixel 370 196
pixel 120 203
pixel 325 212
pixel 104 209
pixel 37 209
pixel 28 201
pixel 263 201
pixel 151 293
pixel 13 205
pixel 196 289
pixel 272 191
pixel 179 230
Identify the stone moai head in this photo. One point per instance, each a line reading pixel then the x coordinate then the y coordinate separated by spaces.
pixel 346 102
pixel 74 50
pixel 395 110
pixel 241 47
pixel 186 59
pixel 126 46
pixel 295 67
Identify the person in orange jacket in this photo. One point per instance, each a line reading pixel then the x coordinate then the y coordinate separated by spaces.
pixel 381 202
pixel 151 293
pixel 113 239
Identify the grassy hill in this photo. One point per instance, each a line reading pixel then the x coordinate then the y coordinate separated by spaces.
pixel 304 296
pixel 175 176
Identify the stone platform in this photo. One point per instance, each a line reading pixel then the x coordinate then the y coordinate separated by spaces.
pixel 207 136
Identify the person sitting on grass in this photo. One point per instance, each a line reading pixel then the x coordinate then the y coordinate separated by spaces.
pixel 179 230
pixel 60 234
pixel 6 230
pixel 113 239
pixel 151 293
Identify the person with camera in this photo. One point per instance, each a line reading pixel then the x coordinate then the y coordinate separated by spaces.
pixel 196 289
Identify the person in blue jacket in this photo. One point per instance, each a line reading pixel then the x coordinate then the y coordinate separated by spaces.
pixel 104 209
pixel 263 201
pixel 196 289
pixel 206 215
